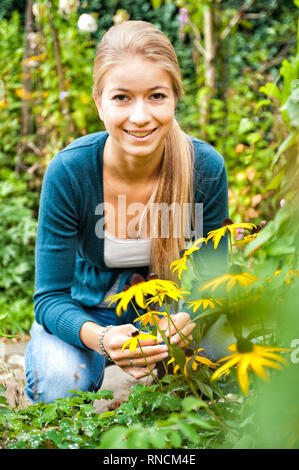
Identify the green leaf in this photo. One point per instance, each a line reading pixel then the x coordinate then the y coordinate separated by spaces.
pixel 245 125
pixel 270 89
pixel 193 403
pixel 156 3
pixel 199 421
pixel 49 414
pixel 260 332
pixel 282 246
pixel 115 438
pixel 3 400
pixel 157 438
pixel 4 410
pixel 292 104
pixel 188 431
pixel 197 333
pixel 276 181
pixel 175 439
pixel 179 356
pixel 261 103
pixel 290 140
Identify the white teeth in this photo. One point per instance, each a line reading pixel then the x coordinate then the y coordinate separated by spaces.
pixel 139 134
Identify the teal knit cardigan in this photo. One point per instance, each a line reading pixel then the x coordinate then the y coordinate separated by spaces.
pixel 70 272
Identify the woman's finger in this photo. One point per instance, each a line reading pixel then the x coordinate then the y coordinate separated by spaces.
pixel 140 362
pixel 177 322
pixel 148 351
pixel 178 338
pixel 186 343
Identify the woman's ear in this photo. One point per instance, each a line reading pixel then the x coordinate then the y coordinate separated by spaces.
pixel 98 105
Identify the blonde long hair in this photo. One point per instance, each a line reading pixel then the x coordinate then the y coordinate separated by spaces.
pixel 175 183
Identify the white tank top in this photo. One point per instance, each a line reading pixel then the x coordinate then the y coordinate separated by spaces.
pixel 124 253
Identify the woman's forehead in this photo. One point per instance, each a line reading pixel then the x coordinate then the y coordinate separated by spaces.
pixel 140 73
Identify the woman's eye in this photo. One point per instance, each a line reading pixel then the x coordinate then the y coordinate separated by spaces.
pixel 158 96
pixel 120 98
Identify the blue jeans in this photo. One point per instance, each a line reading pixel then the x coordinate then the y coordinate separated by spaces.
pixel 53 367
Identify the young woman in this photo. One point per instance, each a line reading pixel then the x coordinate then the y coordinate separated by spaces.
pixel 142 159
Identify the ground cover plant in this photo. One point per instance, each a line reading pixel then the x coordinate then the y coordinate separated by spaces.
pixel 248 399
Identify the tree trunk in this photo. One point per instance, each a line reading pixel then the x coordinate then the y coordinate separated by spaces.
pixel 210 66
pixel 27 87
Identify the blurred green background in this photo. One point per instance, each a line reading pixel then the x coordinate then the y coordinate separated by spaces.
pixel 234 101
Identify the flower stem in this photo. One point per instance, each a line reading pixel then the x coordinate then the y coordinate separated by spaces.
pixel 231 247
pixel 144 357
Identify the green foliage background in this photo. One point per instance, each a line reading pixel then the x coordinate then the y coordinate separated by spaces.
pixel 254 122
pixel 240 114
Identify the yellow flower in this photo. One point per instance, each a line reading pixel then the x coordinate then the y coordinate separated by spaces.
pixel 139 291
pixel 34 58
pixel 174 294
pixel 196 361
pixel 248 356
pixel 181 263
pixel 133 342
pixel 150 318
pixel 203 302
pixel 247 239
pixel 243 278
pixel 199 360
pixel 291 274
pixel 227 225
pixel 24 94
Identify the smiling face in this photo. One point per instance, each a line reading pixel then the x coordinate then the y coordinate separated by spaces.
pixel 137 107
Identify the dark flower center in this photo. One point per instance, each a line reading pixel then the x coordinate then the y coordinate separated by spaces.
pixel 256 229
pixel 135 333
pixel 136 279
pixel 235 269
pixel 227 222
pixel 244 345
pixel 152 276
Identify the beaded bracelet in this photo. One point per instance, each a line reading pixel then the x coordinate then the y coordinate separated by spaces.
pixel 101 337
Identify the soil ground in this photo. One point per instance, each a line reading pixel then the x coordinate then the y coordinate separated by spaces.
pixel 12 377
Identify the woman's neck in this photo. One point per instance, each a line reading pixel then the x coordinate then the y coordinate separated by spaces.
pixel 129 168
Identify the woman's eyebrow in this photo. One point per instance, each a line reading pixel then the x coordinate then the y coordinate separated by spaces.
pixel 149 89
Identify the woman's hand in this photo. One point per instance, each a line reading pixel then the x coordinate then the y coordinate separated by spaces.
pixel 115 338
pixel 181 322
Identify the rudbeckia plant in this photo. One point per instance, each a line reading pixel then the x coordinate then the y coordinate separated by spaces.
pixel 238 295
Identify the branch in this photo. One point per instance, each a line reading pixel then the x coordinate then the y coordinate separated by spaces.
pixel 277 59
pixel 235 20
pixel 197 38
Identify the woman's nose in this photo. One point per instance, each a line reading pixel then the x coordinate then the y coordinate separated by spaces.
pixel 139 113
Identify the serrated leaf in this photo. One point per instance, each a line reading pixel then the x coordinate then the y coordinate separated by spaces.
pixel 199 421
pixel 188 431
pixel 175 439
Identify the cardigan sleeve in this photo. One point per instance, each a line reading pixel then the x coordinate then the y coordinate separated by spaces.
pixel 55 255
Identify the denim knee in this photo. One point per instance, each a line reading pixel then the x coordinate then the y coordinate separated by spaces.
pixel 54 367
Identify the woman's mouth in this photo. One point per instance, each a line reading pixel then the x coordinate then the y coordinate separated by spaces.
pixel 140 135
